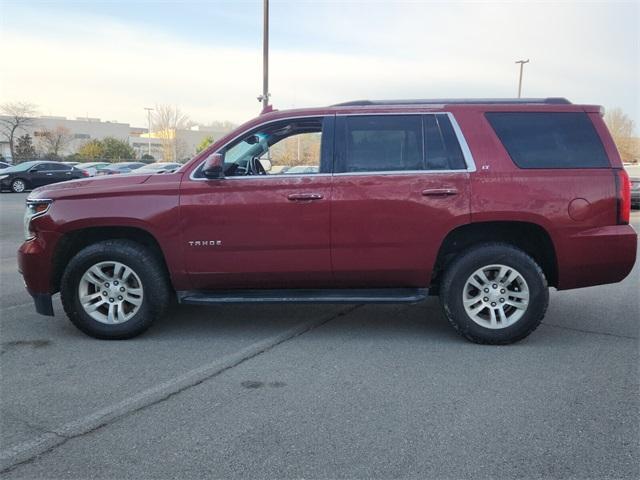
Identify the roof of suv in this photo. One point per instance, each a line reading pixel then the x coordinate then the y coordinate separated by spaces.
pixel 457 101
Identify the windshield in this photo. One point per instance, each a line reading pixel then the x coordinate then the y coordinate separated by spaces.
pixel 256 147
pixel 21 167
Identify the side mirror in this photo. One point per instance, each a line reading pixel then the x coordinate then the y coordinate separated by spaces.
pixel 214 166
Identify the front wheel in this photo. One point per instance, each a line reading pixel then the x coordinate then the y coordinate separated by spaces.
pixel 494 294
pixel 114 289
pixel 18 186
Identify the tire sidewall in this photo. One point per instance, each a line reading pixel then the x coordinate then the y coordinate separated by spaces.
pixel 144 267
pixel 482 257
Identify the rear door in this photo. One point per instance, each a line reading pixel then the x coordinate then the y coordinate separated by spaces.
pixel 41 174
pixel 401 183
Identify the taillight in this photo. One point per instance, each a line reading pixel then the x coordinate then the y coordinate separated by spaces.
pixel 623 196
pixel 85 173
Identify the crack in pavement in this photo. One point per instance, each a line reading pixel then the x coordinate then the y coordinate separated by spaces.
pixel 25 452
pixel 592 332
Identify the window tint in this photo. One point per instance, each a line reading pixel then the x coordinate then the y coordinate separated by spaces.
pixel 383 143
pixel 53 167
pixel 442 148
pixel 549 140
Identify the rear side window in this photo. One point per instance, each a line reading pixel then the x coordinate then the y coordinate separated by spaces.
pixel 549 140
pixel 441 145
pixel 387 143
pixel 383 143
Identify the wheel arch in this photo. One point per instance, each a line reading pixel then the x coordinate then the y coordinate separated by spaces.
pixel 75 240
pixel 530 237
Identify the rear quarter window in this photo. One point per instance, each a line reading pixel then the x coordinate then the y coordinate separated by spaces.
pixel 549 140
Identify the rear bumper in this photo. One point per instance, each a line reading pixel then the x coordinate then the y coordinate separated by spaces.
pixel 35 264
pixel 596 256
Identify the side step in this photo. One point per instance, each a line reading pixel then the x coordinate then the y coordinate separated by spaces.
pixel 346 295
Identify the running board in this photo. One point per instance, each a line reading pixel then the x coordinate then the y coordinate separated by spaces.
pixel 350 295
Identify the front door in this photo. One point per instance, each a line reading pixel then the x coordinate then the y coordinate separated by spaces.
pixel 267 223
pixel 401 184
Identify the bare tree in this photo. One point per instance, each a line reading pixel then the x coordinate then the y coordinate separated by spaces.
pixel 622 130
pixel 167 120
pixel 55 141
pixel 16 117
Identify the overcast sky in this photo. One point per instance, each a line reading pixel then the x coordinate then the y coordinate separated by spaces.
pixel 109 59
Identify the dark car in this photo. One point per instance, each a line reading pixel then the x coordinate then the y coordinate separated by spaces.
pixel 634 176
pixel 122 167
pixel 485 203
pixel 30 175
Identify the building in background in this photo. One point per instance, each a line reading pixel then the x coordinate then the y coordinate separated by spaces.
pixel 83 129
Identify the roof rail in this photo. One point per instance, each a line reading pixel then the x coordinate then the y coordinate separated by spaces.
pixel 460 101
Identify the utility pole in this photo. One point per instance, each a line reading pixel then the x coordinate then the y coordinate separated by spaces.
pixel 264 98
pixel 149 110
pixel 521 62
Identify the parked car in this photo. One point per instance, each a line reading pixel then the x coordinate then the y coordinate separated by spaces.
pixel 92 167
pixel 121 167
pixel 29 175
pixel 486 203
pixel 4 165
pixel 634 175
pixel 159 167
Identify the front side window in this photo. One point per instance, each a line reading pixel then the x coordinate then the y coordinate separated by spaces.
pixel 281 148
pixel 549 139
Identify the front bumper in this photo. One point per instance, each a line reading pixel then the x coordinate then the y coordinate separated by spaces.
pixel 36 267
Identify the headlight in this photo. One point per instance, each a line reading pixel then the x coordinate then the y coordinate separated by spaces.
pixel 35 208
pixel 2 177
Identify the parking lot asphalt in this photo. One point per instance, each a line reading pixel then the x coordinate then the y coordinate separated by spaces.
pixel 318 391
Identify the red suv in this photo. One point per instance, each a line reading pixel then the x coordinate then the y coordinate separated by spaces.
pixel 485 203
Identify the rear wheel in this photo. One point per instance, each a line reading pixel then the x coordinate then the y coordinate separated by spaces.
pixel 18 185
pixel 114 289
pixel 495 294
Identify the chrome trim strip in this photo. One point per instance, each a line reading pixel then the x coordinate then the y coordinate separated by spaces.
pixel 466 151
pixel 277 175
pixel 400 172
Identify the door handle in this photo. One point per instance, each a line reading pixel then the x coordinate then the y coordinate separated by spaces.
pixel 49 174
pixel 304 197
pixel 439 192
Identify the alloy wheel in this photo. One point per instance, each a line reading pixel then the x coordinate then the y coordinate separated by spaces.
pixel 495 296
pixel 18 186
pixel 110 292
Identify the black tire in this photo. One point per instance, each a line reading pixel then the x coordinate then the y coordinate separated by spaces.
pixel 155 284
pixel 455 278
pixel 15 185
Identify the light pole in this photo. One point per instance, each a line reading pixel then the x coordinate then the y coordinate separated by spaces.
pixel 264 98
pixel 149 110
pixel 521 62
